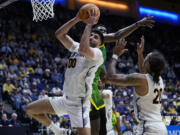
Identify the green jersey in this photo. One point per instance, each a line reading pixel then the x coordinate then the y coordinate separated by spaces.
pixel 96 98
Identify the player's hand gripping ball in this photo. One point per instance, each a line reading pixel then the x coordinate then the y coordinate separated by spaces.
pixel 83 12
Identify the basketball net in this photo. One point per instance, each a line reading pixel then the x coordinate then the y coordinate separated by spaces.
pixel 42 9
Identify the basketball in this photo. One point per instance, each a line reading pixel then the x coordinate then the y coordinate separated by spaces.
pixel 83 12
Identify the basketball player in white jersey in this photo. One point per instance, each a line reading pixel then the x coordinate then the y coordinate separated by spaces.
pixel 107 97
pixel 83 63
pixel 148 89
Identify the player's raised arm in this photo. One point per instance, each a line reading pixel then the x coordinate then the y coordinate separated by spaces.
pixel 84 47
pixel 122 79
pixel 122 33
pixel 61 33
pixel 140 49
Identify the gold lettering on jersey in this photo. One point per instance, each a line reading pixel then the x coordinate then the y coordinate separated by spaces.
pixel 72 63
pixel 157 99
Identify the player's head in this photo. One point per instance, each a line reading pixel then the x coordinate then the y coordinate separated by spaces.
pixel 153 64
pixel 101 28
pixel 96 38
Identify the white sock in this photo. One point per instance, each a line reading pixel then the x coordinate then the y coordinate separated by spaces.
pixel 57 130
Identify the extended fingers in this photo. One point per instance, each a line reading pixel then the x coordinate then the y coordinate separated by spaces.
pixel 138 45
pixel 149 24
pixel 149 16
pixel 89 13
pixel 92 12
pixel 142 42
pixel 142 39
pixel 124 42
pixel 118 42
pixel 125 50
pixel 121 43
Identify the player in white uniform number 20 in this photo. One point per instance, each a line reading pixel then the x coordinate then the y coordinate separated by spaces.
pixel 148 87
pixel 83 63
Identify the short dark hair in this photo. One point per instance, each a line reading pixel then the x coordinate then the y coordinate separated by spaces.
pixel 157 64
pixel 100 34
pixel 100 25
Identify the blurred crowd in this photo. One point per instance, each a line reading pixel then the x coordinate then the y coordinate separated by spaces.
pixel 32 62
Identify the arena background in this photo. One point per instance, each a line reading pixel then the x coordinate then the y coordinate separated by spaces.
pixel 32 61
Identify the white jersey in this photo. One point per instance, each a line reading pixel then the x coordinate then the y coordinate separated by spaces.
pixel 148 107
pixel 108 106
pixel 80 73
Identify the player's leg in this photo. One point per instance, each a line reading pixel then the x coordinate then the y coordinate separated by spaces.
pixel 79 116
pixel 95 126
pixel 95 121
pixel 111 132
pixel 103 130
pixel 84 131
pixel 38 110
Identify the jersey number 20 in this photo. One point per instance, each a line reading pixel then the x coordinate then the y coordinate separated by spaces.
pixel 72 63
pixel 157 99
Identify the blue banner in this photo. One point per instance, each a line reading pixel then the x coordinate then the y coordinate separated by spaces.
pixel 173 130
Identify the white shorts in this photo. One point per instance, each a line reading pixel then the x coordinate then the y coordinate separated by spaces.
pixel 78 110
pixel 150 128
pixel 111 132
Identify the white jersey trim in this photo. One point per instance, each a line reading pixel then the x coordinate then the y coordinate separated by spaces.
pixel 74 47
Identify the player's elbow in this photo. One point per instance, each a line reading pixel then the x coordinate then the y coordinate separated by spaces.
pixel 83 49
pixel 59 35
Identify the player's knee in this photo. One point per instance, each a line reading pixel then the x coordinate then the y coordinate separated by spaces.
pixel 29 109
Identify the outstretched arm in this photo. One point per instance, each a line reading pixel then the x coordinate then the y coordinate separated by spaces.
pixel 61 33
pixel 140 49
pixel 118 51
pixel 84 47
pixel 122 33
pixel 122 79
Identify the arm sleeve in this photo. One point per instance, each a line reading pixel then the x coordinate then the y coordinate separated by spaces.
pixel 97 54
pixel 74 47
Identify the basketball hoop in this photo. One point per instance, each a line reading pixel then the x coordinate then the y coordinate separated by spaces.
pixel 42 9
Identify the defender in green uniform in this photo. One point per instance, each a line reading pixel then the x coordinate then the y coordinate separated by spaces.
pixel 96 98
